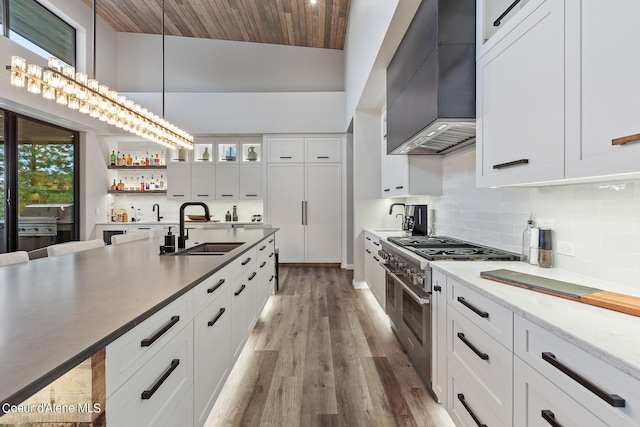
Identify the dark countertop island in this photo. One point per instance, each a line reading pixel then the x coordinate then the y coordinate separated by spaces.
pixel 57 312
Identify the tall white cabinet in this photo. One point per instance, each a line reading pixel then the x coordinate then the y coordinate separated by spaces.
pixel 304 196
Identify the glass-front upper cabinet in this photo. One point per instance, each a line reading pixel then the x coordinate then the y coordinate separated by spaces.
pixel 203 151
pixel 178 155
pixel 227 151
pixel 251 151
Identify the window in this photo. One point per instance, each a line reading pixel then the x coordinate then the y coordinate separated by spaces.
pixel 39 30
pixel 39 184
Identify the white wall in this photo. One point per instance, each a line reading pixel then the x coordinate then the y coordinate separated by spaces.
pixel 602 219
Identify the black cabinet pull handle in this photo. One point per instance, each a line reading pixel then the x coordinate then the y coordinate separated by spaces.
pixel 473 308
pixel 252 275
pixel 239 291
pixel 368 238
pixel 271 254
pixel 202 195
pixel 509 164
pixel 470 411
pixel 246 261
pixel 215 319
pixel 285 157
pixel 481 355
pixel 376 258
pixel 386 190
pixel 262 248
pixel 271 279
pixel 147 394
pixel 550 417
pixel 323 157
pixel 227 195
pixel 215 287
pixel 497 22
pixel 251 195
pixel 263 264
pixel 367 251
pixel 612 399
pixel 437 288
pixel 144 228
pixel 376 243
pixel 148 341
pixel 271 241
pixel 400 187
pixel 178 195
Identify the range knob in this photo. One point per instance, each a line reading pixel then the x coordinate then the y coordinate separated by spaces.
pixel 35 229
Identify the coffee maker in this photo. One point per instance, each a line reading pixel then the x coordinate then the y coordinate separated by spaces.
pixel 415 220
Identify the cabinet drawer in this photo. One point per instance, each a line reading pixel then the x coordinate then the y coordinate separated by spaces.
pixel 372 243
pixel 323 149
pixel 490 316
pixel 127 354
pixel 266 249
pixel 587 378
pixel 464 404
pixel 154 393
pixel 539 403
pixel 284 150
pixel 484 362
pixel 211 288
pixel 212 353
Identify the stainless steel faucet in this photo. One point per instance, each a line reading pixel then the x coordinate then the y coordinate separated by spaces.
pixel 158 212
pixel 182 238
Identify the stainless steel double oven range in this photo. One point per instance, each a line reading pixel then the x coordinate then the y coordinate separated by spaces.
pixel 408 287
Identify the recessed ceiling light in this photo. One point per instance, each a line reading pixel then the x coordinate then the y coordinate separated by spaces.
pixel 312 1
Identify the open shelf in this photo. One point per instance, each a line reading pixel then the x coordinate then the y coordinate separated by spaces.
pixel 123 168
pixel 137 192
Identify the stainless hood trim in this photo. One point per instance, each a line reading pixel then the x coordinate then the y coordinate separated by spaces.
pixel 440 137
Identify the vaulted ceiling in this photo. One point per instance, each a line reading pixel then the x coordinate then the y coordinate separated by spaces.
pixel 285 22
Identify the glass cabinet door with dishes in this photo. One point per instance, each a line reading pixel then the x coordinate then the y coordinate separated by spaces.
pixel 203 151
pixel 236 151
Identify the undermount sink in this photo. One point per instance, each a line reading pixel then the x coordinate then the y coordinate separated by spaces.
pixel 211 248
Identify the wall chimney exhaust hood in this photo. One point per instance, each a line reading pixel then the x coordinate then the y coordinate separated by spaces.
pixel 431 88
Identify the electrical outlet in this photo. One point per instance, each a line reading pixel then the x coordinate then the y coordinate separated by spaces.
pixel 566 248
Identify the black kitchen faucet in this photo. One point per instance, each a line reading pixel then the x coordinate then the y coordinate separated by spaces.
pixel 185 235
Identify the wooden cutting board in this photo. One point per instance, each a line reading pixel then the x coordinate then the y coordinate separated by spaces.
pixel 593 296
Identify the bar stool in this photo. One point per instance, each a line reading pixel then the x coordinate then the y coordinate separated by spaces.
pixel 71 247
pixel 11 258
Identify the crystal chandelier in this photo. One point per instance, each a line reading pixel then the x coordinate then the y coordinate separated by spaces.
pixel 62 84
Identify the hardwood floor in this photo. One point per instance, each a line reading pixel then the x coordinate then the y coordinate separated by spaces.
pixel 323 354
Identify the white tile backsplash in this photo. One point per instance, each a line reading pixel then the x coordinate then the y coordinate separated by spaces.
pixel 602 219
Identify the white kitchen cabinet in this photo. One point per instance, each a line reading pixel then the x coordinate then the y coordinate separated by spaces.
pixel 590 380
pixel 539 403
pixel 374 274
pixel 323 212
pixel 520 103
pixel 212 351
pixel 178 181
pixel 203 181
pixel 284 149
pixel 157 391
pixel 439 336
pixel 251 182
pixel 285 198
pixel 266 272
pixel 243 303
pixel 304 200
pixel 323 149
pixel 405 175
pixel 603 94
pixel 227 182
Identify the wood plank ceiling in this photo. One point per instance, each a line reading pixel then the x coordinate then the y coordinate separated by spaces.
pixel 286 22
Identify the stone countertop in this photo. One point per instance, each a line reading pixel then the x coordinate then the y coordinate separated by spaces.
pixel 57 312
pixel 608 335
pixel 190 223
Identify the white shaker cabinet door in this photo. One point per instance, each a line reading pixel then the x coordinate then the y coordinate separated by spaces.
pixel 285 195
pixel 322 213
pixel 178 182
pixel 203 182
pixel 607 90
pixel 521 102
pixel 251 182
pixel 227 182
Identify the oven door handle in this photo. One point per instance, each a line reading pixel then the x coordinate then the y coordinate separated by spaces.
pixel 415 296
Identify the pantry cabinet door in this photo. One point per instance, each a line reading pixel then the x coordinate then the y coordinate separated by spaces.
pixel 285 197
pixel 607 89
pixel 521 102
pixel 323 208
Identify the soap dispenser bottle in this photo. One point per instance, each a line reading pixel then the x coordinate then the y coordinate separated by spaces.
pixel 235 213
pixel 227 217
pixel 170 242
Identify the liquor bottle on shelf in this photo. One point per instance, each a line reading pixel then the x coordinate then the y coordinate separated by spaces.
pixel 156 160
pixel 142 183
pixel 113 158
pixel 114 186
pixel 162 182
pixel 121 185
pixel 147 161
pixel 123 160
pixel 129 160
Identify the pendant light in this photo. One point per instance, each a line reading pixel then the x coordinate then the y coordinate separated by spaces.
pixel 61 83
